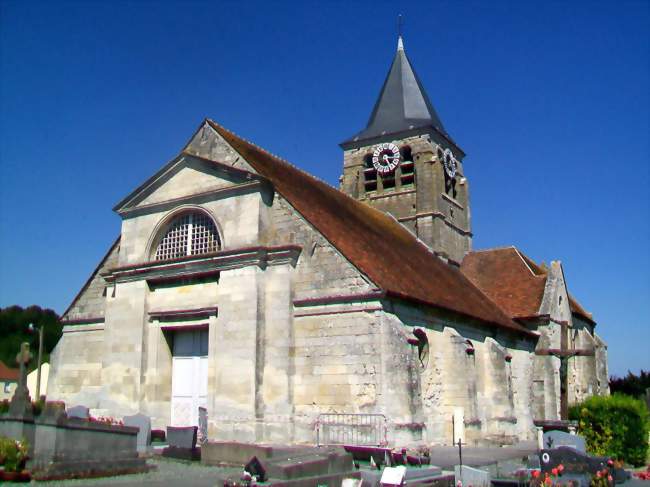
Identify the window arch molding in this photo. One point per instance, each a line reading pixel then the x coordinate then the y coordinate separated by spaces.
pixel 164 224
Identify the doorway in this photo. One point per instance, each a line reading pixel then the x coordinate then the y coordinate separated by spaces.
pixel 189 375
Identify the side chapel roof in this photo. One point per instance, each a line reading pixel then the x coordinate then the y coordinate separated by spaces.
pixel 379 246
pixel 513 281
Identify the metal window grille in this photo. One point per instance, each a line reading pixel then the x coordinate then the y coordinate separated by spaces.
pixel 188 234
pixel 351 429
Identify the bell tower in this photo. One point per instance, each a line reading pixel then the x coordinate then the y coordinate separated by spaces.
pixel 405 163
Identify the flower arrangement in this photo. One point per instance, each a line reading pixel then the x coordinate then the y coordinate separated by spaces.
pixel 643 475
pixel 13 454
pixel 106 420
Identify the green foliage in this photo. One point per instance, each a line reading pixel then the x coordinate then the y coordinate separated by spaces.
pixel 616 426
pixel 632 384
pixel 14 322
pixel 13 454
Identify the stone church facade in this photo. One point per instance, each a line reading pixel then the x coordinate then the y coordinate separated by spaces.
pixel 244 285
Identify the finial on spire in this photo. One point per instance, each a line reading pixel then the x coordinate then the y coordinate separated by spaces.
pixel 400 43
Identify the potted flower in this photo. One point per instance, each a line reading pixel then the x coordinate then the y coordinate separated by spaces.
pixel 13 456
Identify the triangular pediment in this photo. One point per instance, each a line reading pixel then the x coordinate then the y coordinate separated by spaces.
pixel 207 164
pixel 185 176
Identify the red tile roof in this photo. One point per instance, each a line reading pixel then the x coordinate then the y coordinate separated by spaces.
pixel 577 309
pixel 374 242
pixel 513 281
pixel 510 279
pixel 7 374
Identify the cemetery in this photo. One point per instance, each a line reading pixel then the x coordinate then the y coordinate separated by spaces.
pixel 49 440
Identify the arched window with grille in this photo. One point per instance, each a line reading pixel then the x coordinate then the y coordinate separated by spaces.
pixel 190 233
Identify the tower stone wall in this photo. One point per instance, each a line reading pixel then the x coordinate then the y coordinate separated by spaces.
pixel 422 196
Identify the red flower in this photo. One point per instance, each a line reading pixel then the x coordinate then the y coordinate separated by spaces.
pixel 555 471
pixel 610 478
pixel 535 473
pixel 560 468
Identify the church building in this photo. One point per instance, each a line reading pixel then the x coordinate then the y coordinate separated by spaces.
pixel 244 285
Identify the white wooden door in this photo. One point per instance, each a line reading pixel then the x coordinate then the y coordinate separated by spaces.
pixel 189 377
pixel 189 389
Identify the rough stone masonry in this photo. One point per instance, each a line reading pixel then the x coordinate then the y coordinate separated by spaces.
pixel 241 284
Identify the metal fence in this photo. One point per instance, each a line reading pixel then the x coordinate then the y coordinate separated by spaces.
pixel 351 429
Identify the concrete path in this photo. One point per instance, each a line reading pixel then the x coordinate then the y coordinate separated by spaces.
pixel 446 457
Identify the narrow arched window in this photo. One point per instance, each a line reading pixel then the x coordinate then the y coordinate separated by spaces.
pixel 191 233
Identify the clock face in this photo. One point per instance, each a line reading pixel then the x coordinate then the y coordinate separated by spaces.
pixel 449 162
pixel 385 158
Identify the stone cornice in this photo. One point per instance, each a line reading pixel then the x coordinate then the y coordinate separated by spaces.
pixel 339 299
pixel 435 214
pixel 214 194
pixel 79 327
pixel 216 261
pixel 394 193
pixel 452 201
pixel 83 321
pixel 176 314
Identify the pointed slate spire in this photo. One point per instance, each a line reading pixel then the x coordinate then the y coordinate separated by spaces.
pixel 403 104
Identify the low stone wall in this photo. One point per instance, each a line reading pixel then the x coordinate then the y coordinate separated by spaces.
pixel 62 447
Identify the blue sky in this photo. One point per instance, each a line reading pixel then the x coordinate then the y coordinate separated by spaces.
pixel 548 99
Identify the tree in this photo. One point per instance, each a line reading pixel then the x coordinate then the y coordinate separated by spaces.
pixel 14 322
pixel 632 385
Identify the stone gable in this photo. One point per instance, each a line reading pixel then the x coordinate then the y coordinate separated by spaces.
pixel 90 303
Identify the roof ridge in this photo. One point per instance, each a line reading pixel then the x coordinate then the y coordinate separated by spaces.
pixel 368 238
pixel 492 249
pixel 275 156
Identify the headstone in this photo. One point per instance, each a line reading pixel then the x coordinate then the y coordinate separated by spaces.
pixel 182 443
pixel 143 422
pixel 556 439
pixel 393 476
pixel 203 426
pixel 182 436
pixel 80 412
pixel 471 476
pixel 21 404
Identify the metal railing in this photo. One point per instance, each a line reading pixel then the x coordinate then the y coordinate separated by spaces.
pixel 351 429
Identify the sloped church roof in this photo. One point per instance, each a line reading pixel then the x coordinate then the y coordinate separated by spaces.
pixel 403 104
pixel 514 281
pixel 373 241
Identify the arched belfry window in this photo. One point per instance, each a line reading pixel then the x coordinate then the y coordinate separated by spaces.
pixel 190 233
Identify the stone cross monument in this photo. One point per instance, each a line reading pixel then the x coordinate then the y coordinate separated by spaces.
pixel 21 403
pixel 564 353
